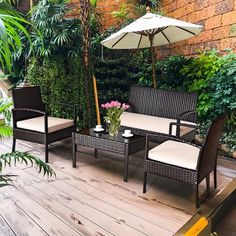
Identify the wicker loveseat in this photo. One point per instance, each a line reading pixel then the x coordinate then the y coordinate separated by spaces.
pixel 157 111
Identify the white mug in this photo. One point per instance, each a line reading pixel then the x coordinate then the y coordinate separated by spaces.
pixel 127 132
pixel 98 126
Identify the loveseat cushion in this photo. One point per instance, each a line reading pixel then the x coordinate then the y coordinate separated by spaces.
pixel 175 153
pixel 37 124
pixel 152 123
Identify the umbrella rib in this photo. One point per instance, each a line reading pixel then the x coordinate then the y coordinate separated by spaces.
pixel 140 40
pixel 156 31
pixel 119 40
pixel 186 30
pixel 165 37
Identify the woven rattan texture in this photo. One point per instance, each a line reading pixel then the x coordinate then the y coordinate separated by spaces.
pixel 172 172
pixel 163 103
pixel 102 144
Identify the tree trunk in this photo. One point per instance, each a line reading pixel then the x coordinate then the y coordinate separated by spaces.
pixel 85 8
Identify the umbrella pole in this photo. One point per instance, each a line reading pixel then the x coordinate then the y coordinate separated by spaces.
pixel 153 62
pixel 96 100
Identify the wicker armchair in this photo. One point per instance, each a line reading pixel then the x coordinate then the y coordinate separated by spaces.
pixel 32 123
pixel 184 161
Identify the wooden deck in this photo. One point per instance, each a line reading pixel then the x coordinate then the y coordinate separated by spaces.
pixel 93 199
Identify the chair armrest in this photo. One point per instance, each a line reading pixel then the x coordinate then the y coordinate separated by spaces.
pixel 179 118
pixel 15 110
pixel 178 124
pixel 181 115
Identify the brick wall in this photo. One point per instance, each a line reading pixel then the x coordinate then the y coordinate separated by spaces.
pixel 218 18
pixel 104 9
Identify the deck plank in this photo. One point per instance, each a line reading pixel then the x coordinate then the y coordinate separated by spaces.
pixel 4 227
pixel 17 219
pixel 137 218
pixel 51 225
pixel 59 209
pixel 93 199
pixel 90 209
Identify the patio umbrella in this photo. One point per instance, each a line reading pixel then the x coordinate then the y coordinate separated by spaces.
pixel 149 31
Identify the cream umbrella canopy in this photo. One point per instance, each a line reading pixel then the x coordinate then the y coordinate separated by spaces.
pixel 149 31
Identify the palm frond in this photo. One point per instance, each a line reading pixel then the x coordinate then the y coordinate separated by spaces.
pixel 6 180
pixel 26 158
pixel 11 26
pixel 5 131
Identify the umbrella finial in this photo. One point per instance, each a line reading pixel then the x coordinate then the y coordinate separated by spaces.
pixel 148 9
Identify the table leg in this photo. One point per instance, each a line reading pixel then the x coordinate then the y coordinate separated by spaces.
pixel 126 167
pixel 95 152
pixel 74 152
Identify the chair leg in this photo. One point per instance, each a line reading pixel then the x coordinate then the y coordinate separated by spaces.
pixel 144 182
pixel 13 144
pixel 215 178
pixel 46 152
pixel 196 197
pixel 208 183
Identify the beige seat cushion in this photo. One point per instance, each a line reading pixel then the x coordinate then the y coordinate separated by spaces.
pixel 152 123
pixel 176 153
pixel 37 124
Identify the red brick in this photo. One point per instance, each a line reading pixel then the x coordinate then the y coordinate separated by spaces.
pixel 202 37
pixel 213 22
pixel 184 18
pixel 178 13
pixel 229 18
pixel 212 44
pixel 182 3
pixel 200 4
pixel 221 33
pixel 194 17
pixel 207 12
pixel 212 2
pixel 166 2
pixel 224 7
pixel 195 48
pixel 202 14
pixel 228 43
pixel 170 7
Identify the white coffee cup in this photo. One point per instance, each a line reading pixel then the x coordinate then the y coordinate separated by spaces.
pixel 98 127
pixel 127 131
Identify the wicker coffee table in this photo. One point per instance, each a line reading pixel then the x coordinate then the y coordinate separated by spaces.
pixel 102 141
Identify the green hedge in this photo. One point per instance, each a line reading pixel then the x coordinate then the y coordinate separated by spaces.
pixel 60 80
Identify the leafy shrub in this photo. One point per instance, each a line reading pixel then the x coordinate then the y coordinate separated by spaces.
pixel 224 88
pixel 224 98
pixel 169 71
pixel 200 73
pixel 168 74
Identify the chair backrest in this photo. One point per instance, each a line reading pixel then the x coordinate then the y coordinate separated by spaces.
pixel 163 103
pixel 28 97
pixel 208 158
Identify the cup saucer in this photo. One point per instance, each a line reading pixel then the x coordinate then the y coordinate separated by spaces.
pixel 127 135
pixel 98 130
